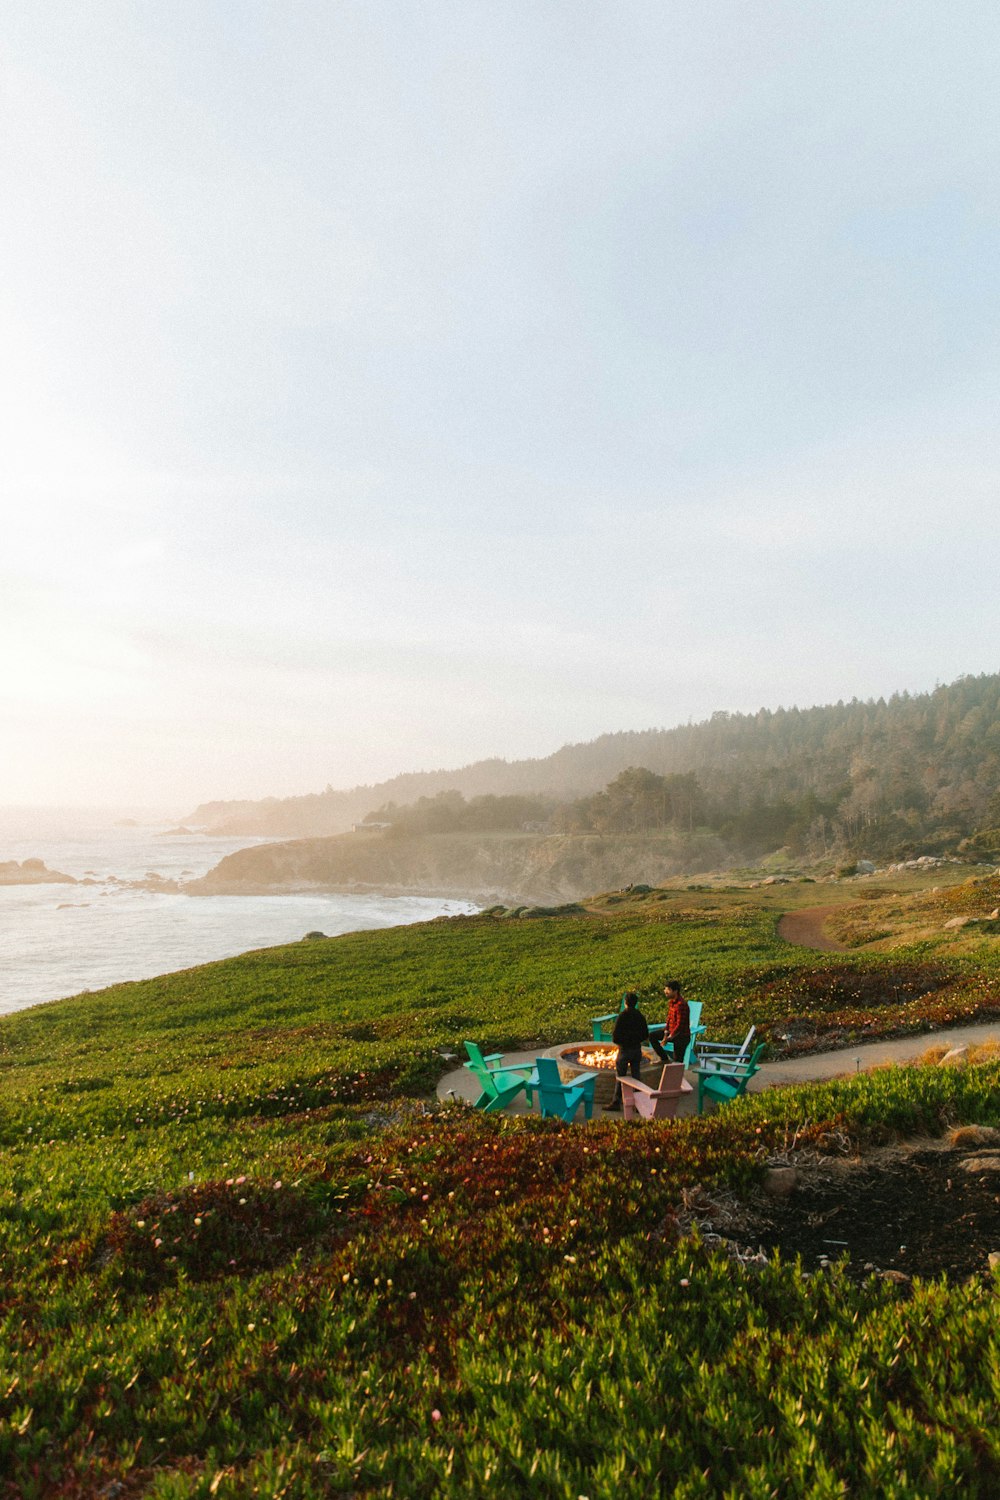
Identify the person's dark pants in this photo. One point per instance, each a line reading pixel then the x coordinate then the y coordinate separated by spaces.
pixel 629 1060
pixel 674 1050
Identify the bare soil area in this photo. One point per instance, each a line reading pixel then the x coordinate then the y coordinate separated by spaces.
pixel 805 929
pixel 924 1209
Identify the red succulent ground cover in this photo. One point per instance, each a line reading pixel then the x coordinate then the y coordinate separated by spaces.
pixel 212 1230
pixel 827 1004
pixel 431 1207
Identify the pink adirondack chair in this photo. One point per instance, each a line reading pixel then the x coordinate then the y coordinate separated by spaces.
pixel 642 1102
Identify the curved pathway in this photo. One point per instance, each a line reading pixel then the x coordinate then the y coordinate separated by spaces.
pixel 805 929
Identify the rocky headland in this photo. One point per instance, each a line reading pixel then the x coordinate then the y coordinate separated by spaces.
pixel 486 868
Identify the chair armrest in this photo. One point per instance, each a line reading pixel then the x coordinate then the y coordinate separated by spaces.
pixel 683 1088
pixel 612 1015
pixel 640 1085
pixel 733 1072
pixel 516 1075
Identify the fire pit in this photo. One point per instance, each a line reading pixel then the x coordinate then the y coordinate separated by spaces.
pixel 599 1058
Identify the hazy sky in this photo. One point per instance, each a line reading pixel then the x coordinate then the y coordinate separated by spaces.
pixel 389 385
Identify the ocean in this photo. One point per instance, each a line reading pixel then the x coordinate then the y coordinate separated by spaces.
pixel 58 940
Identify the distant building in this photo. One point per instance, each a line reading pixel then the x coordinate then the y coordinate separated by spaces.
pixel 369 827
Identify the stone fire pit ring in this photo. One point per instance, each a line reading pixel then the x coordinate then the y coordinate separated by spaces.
pixel 599 1057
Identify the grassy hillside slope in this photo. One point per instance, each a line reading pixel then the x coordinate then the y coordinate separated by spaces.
pixel 240 1256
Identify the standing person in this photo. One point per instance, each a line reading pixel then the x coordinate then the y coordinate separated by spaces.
pixel 678 1029
pixel 630 1032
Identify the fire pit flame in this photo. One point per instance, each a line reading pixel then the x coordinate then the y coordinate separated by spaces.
pixel 603 1057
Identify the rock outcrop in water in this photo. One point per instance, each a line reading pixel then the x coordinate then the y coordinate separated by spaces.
pixel 32 872
pixel 502 867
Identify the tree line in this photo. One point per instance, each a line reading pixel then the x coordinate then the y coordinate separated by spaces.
pixel 909 773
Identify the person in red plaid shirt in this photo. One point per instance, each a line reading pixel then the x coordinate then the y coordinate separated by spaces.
pixel 678 1032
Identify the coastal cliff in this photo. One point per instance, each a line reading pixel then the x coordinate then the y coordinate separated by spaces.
pixel 476 867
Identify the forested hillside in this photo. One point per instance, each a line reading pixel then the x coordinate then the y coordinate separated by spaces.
pixel 878 777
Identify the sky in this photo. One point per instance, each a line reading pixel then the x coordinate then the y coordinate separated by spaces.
pixel 388 386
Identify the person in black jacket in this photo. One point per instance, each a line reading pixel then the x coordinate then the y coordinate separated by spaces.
pixel 630 1032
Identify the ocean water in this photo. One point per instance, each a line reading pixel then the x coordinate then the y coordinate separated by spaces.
pixel 58 940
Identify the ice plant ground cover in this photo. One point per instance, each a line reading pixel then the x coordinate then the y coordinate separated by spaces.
pixel 240 1257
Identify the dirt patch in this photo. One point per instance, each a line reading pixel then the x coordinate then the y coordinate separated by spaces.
pixel 805 929
pixel 925 1209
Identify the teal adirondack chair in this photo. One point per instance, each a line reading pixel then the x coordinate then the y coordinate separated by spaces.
pixel 499 1085
pixel 599 1027
pixel 726 1080
pixel 563 1099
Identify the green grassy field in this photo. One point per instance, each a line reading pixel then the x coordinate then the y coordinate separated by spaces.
pixel 241 1256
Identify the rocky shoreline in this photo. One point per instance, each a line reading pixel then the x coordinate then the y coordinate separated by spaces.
pixel 37 872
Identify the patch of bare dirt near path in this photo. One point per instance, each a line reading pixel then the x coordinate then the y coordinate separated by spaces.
pixel 923 1208
pixel 805 929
